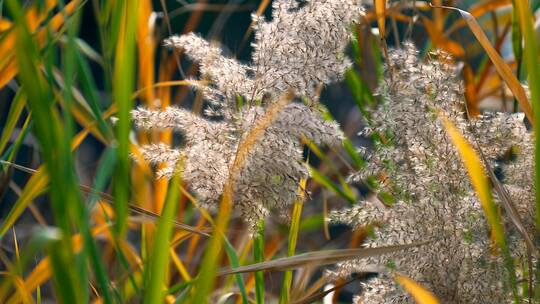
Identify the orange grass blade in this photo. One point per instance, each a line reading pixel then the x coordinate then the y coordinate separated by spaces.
pixel 380 12
pixel 419 293
pixel 502 68
pixel 8 66
pixel 43 271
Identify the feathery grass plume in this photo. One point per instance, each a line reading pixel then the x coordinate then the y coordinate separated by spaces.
pixel 434 198
pixel 299 49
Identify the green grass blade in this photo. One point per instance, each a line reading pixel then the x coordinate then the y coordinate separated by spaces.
pixel 15 111
pixel 291 250
pixel 258 255
pixel 125 18
pixel 159 260
pixel 327 183
pixel 233 259
pixel 89 89
pixel 530 53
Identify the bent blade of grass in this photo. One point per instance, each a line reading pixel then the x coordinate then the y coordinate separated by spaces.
pixel 159 260
pixel 419 293
pixel 500 65
pixel 318 258
pixel 474 167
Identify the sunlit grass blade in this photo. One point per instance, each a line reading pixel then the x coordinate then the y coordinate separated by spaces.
pixel 318 258
pixel 500 65
pixel 419 293
pixel 380 11
pixel 159 260
pixel 293 238
pixel 34 187
pixel 476 172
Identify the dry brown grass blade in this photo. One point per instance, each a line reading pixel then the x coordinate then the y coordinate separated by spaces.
pixel 318 258
pixel 500 65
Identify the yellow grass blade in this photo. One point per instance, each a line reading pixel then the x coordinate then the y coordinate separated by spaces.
pixel 419 293
pixel 500 65
pixel 481 186
pixel 478 178
pixel 43 270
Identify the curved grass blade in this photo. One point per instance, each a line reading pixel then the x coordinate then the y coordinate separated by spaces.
pixel 502 68
pixel 481 186
pixel 318 258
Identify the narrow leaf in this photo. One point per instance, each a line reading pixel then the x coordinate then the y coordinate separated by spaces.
pixel 419 293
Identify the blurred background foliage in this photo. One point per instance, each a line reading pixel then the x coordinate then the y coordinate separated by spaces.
pixel 92 226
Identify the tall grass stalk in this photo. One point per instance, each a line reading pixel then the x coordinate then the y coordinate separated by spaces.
pixel 530 52
pixel 125 17
pixel 159 259
pixel 55 145
pixel 258 255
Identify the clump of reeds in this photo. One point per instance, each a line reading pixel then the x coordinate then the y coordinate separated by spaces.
pixel 415 160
